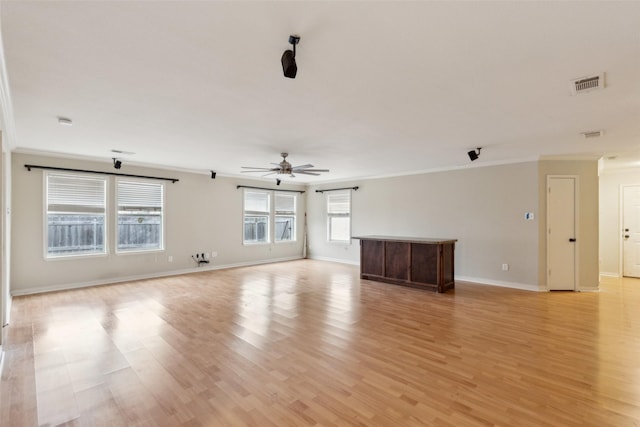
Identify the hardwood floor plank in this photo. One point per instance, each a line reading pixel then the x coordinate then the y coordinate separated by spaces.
pixel 307 343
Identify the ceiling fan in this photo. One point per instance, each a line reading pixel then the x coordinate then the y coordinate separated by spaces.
pixel 285 168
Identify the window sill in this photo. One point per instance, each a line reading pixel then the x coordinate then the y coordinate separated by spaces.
pixel 139 251
pixel 74 257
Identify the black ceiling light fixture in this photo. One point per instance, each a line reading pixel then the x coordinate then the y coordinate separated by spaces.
pixel 289 67
pixel 473 154
pixel 117 163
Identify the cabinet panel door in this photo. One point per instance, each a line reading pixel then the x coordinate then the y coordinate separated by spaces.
pixel 447 261
pixel 397 260
pixel 372 257
pixel 424 263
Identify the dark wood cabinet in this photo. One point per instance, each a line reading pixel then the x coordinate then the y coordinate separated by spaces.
pixel 419 262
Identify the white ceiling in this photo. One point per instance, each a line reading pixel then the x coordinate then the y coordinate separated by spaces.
pixel 383 88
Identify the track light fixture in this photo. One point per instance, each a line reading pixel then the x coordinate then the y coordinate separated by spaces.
pixel 213 175
pixel 289 67
pixel 278 181
pixel 473 155
pixel 117 163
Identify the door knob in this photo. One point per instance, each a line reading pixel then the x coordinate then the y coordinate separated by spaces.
pixel 626 230
pixel 572 240
pixel 626 236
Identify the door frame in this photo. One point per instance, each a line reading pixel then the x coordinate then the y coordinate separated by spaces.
pixel 576 224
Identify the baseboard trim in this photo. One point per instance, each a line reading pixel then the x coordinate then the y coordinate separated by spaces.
pixel 503 284
pixel 115 280
pixel 341 261
pixel 613 275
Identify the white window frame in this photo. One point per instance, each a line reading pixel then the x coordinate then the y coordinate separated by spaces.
pixel 331 215
pixel 142 183
pixel 271 214
pixel 92 206
pixel 267 213
pixel 285 213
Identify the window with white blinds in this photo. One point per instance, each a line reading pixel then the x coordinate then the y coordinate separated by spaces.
pixel 265 211
pixel 339 217
pixel 140 216
pixel 285 217
pixel 256 216
pixel 76 215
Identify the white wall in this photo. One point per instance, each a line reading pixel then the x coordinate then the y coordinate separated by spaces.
pixel 482 207
pixel 5 239
pixel 201 215
pixel 5 227
pixel 611 183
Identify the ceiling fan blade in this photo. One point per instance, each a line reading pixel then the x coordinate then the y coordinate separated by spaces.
pixel 308 173
pixel 260 169
pixel 270 173
pixel 313 170
pixel 307 166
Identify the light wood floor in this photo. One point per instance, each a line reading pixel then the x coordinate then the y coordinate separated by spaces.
pixel 307 343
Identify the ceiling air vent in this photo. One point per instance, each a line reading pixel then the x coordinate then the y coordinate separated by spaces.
pixel 587 84
pixel 593 134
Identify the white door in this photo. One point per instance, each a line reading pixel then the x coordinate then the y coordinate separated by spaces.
pixel 631 231
pixel 561 233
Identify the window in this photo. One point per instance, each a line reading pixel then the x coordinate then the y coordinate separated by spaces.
pixel 140 216
pixel 76 215
pixel 256 216
pixel 339 217
pixel 285 217
pixel 261 216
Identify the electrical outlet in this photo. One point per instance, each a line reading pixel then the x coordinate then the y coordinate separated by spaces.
pixel 214 254
pixel 170 258
pixel 206 255
pixel 505 267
